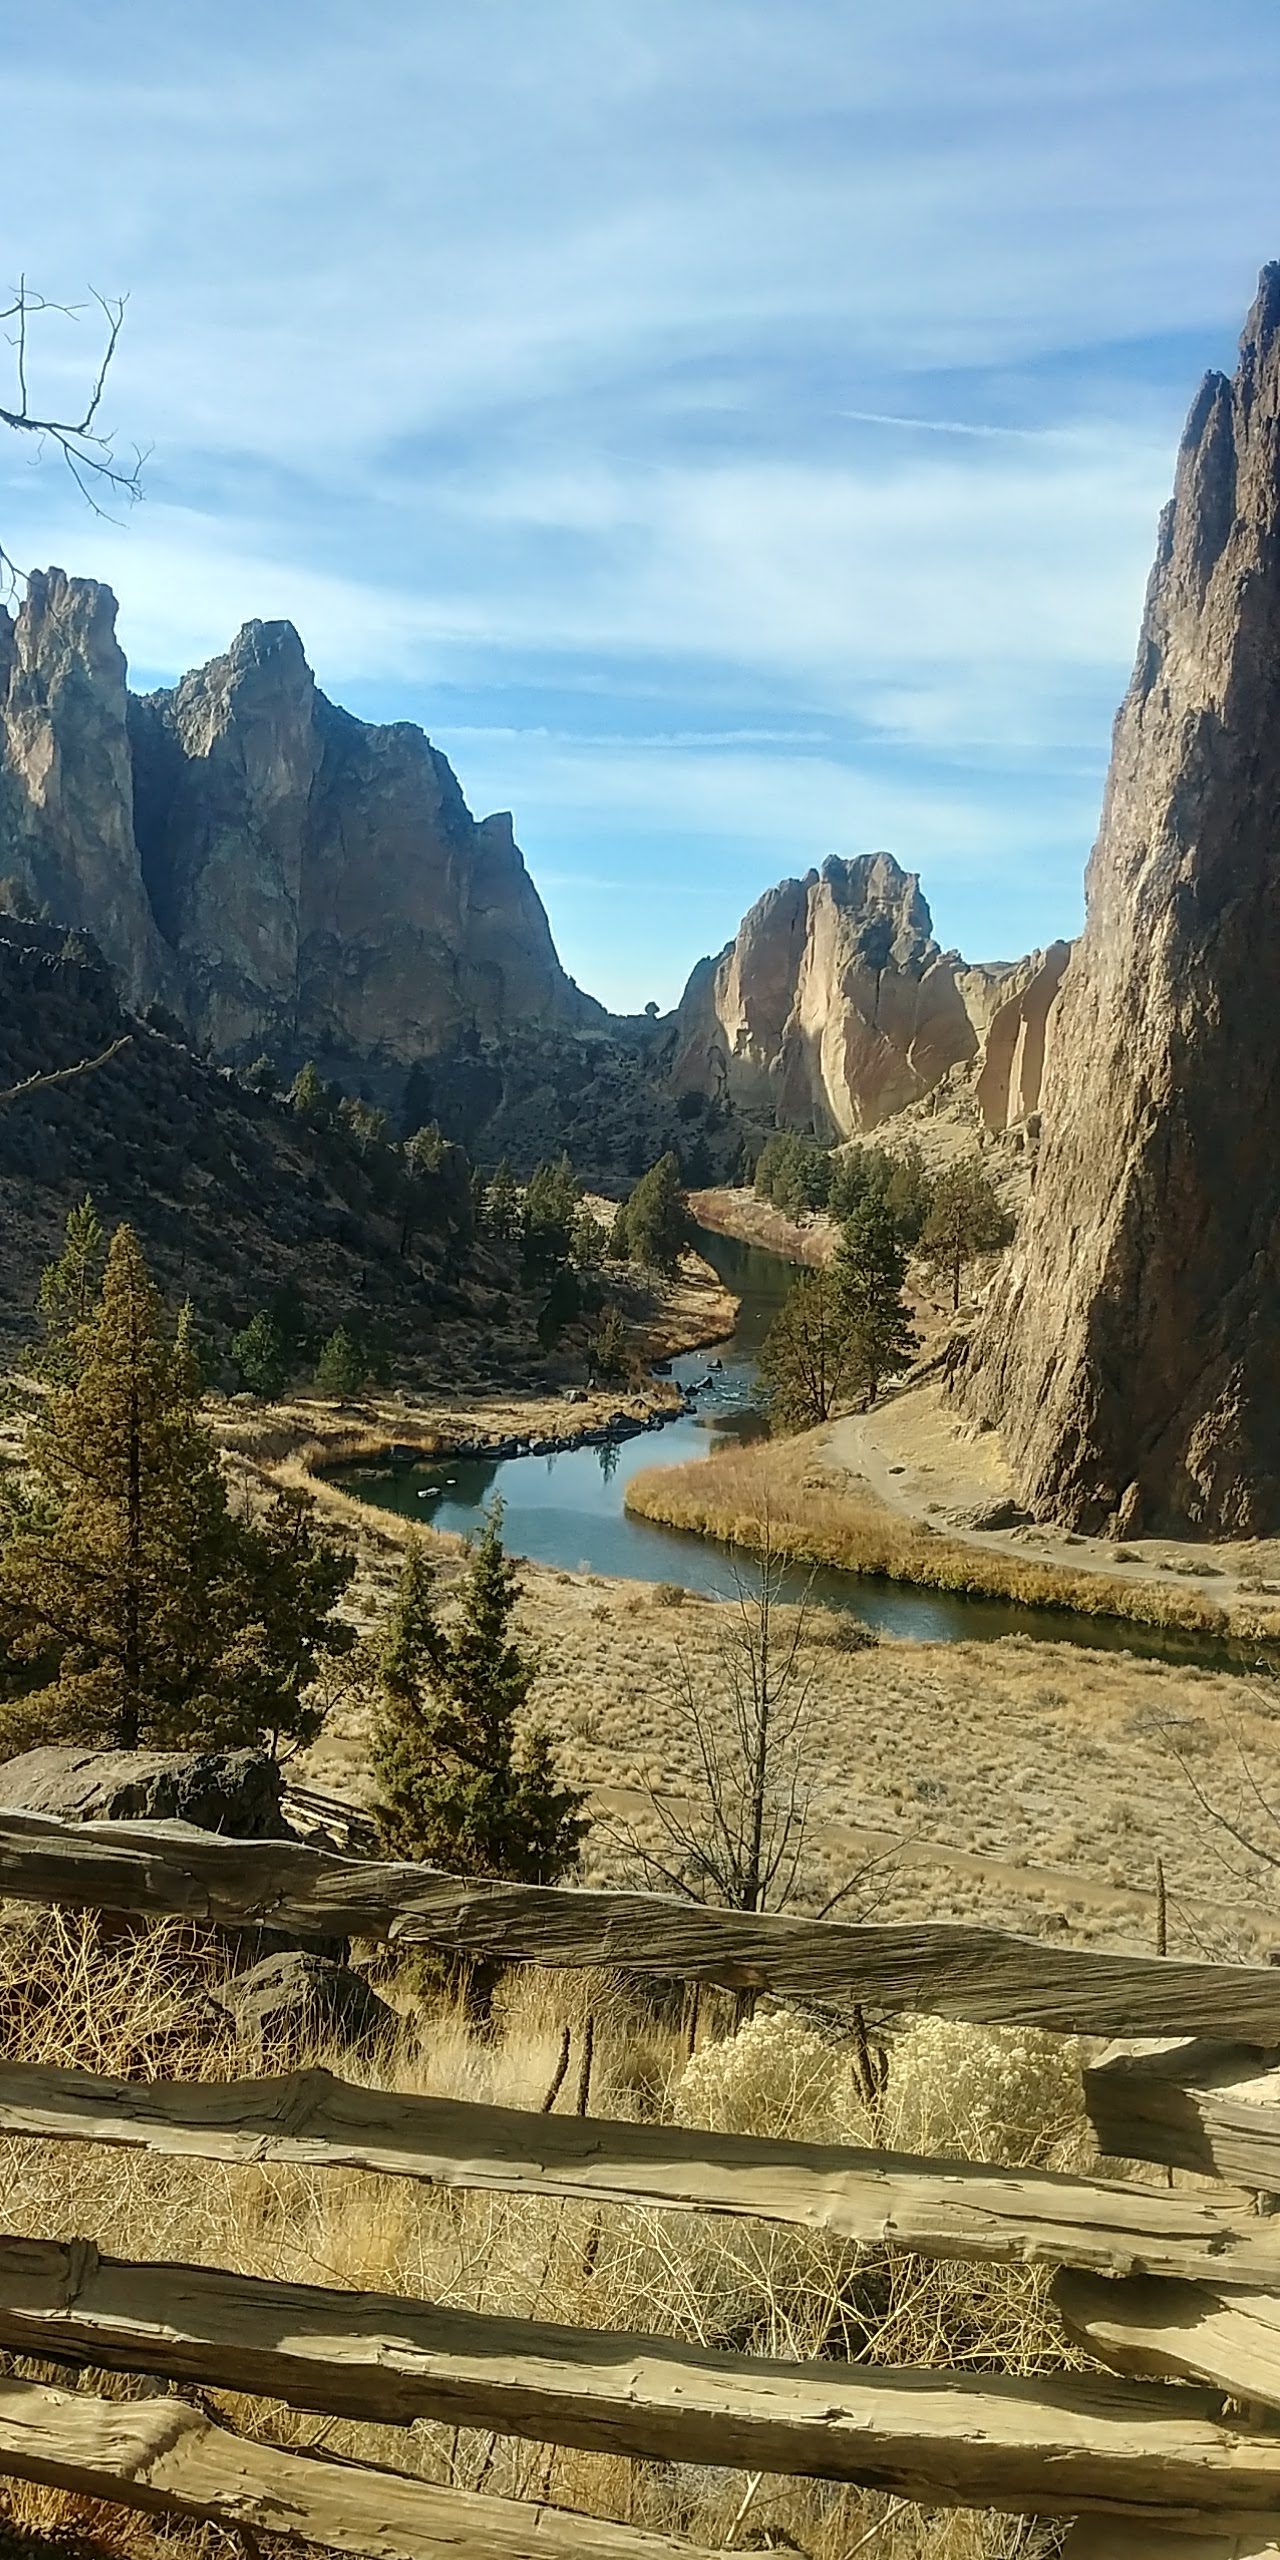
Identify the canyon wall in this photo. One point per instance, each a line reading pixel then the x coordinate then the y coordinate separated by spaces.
pixel 1131 1351
pixel 833 1008
pixel 279 874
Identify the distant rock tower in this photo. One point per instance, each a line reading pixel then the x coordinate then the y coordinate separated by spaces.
pixel 1131 1351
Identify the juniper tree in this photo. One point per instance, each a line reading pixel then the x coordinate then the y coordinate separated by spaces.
pixel 68 1289
pixel 342 1367
pixel 812 1353
pixel 458 1785
pixel 965 1220
pixel 658 1227
pixel 144 1607
pixel 261 1355
pixel 869 1272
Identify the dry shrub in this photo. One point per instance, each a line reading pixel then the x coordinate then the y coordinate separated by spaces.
pixel 135 2003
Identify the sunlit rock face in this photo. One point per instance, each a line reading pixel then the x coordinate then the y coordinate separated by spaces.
pixel 279 873
pixel 833 1008
pixel 1131 1353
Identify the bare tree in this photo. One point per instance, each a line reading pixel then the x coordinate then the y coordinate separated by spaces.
pixel 87 446
pixel 742 1836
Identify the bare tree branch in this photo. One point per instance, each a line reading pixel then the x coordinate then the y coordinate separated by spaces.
pixel 87 449
pixel 64 1075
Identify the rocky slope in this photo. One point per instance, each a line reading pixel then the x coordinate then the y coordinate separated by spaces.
pixel 280 874
pixel 233 1194
pixel 1131 1353
pixel 834 1008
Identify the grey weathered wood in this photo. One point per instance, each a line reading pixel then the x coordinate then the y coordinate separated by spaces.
pixel 1052 2446
pixel 958 1972
pixel 1195 2103
pixel 164 2458
pixel 944 2208
pixel 1147 2325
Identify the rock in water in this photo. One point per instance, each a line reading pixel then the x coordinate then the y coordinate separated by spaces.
pixel 1131 1350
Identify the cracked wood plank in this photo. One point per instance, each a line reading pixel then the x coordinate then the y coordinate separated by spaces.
pixel 1104 2538
pixel 165 2458
pixel 956 1972
pixel 1052 2446
pixel 1149 2325
pixel 944 2209
pixel 1193 2103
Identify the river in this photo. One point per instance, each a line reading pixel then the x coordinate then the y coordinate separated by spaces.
pixel 567 1509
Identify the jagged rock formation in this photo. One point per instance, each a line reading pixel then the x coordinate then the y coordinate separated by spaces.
pixel 833 1008
pixel 1131 1353
pixel 282 875
pixel 66 786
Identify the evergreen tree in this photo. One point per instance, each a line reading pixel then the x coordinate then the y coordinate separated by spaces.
pixel 561 1306
pixel 309 1096
pixel 68 1290
pixel 262 1076
pixel 437 1190
pixel 342 1368
pixel 611 1344
pixel 261 1357
pixel 548 1217
pixel 588 1238
pixel 455 1785
pixel 501 1205
pixel 658 1225
pixel 965 1220
pixel 364 1125
pixel 149 1611
pixel 811 1355
pixel 870 1270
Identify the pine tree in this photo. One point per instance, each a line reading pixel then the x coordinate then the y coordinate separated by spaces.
pixel 148 1610
pixel 658 1226
pixel 261 1356
pixel 870 1270
pixel 811 1355
pixel 501 1205
pixel 342 1367
pixel 547 1219
pixel 68 1289
pixel 309 1096
pixel 611 1344
pixel 965 1220
pixel 455 1786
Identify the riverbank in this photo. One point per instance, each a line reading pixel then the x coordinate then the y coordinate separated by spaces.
pixel 821 1510
pixel 738 1213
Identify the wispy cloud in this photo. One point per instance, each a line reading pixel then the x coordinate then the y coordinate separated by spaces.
pixel 735 428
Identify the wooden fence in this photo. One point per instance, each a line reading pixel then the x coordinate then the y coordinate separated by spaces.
pixel 1175 2291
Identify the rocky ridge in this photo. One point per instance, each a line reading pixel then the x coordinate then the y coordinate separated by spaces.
pixel 1130 1352
pixel 834 1009
pixel 280 874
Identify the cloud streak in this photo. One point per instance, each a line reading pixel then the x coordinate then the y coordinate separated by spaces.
pixel 739 431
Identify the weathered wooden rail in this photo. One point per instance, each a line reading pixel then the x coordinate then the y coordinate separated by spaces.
pixel 1176 2291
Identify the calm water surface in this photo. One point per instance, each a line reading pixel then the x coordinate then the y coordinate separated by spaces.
pixel 567 1509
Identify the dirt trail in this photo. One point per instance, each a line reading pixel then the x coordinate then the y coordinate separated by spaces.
pixel 913 1455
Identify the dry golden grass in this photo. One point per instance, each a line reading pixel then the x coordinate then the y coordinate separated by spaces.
pixel 132 2003
pixel 729 1494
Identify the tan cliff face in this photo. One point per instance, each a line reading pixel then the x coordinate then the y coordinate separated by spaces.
pixel 1131 1352
pixel 279 873
pixel 833 1008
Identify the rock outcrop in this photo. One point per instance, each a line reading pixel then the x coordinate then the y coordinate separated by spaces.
pixel 833 1008
pixel 1131 1353
pixel 66 784
pixel 279 874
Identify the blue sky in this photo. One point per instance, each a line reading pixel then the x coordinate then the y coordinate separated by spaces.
pixel 734 428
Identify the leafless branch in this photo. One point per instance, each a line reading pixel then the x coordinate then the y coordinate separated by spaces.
pixel 87 449
pixel 64 1075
